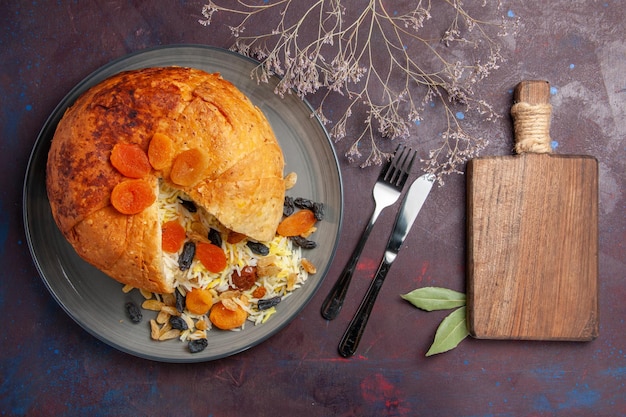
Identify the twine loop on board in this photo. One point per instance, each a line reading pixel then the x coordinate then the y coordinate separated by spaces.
pixel 531 124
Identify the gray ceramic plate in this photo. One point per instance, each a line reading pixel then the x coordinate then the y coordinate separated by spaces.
pixel 95 301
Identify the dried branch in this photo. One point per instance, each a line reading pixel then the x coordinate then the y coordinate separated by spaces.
pixel 380 60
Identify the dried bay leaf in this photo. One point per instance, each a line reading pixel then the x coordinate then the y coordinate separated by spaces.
pixel 451 331
pixel 435 298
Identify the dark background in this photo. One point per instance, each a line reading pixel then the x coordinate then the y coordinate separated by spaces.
pixel 51 366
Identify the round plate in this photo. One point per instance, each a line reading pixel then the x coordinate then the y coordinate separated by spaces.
pixel 95 301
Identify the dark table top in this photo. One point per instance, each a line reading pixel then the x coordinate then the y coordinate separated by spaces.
pixel 49 365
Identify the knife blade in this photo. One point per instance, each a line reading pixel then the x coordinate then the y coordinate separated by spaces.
pixel 410 208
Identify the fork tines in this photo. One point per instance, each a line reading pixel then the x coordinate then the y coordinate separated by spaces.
pixel 397 170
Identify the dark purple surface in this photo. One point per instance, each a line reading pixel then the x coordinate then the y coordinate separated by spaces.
pixel 50 366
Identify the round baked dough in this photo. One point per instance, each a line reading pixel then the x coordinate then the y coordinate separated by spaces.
pixel 240 183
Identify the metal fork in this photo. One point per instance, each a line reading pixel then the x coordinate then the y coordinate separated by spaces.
pixel 386 191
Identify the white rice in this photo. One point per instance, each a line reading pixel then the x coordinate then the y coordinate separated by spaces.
pixel 287 257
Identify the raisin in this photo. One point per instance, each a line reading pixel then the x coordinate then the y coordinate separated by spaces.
pixel 134 313
pixel 186 256
pixel 259 292
pixel 288 206
pixel 258 248
pixel 180 300
pixel 188 204
pixel 198 345
pixel 178 323
pixel 245 279
pixel 215 237
pixel 318 210
pixel 268 303
pixel 303 203
pixel 303 243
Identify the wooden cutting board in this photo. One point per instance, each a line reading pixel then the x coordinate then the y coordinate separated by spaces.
pixel 532 234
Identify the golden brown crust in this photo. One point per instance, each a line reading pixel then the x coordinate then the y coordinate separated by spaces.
pixel 241 185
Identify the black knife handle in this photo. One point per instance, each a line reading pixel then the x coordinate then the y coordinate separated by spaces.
pixel 351 338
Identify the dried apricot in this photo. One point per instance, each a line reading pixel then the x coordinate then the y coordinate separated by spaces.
pixel 172 236
pixel 212 257
pixel 296 224
pixel 130 160
pixel 132 196
pixel 189 167
pixel 226 319
pixel 199 301
pixel 160 151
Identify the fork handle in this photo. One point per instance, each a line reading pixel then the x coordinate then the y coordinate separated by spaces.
pixel 335 298
pixel 351 338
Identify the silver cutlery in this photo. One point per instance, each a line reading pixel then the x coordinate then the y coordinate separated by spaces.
pixel 411 206
pixel 386 191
